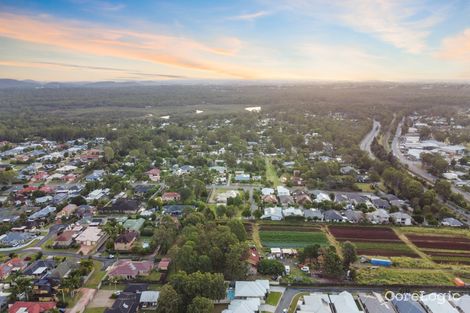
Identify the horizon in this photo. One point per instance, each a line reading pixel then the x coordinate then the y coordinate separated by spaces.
pixel 295 41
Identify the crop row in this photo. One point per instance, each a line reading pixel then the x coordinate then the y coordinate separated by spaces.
pixel 368 233
pixel 290 239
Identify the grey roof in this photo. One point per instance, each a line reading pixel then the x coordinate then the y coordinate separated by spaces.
pixel 408 306
pixel 332 215
pixel 42 213
pixel 373 305
pixel 149 296
pixel 49 264
pixel 463 303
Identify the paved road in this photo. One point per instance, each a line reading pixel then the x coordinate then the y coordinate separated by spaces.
pixel 367 140
pixel 415 169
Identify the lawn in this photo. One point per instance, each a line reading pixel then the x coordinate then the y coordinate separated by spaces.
pixel 271 174
pixel 292 239
pixel 97 275
pixel 391 276
pixel 273 298
pixel 293 304
pixel 94 310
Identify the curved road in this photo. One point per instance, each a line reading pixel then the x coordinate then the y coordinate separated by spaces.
pixel 367 140
pixel 415 169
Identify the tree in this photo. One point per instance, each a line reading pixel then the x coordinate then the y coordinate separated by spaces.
pixel 309 253
pixel 201 305
pixel 330 262
pixel 169 300
pixel 220 211
pixel 237 227
pixel 349 254
pixel 270 267
pixel 108 154
pixel 443 188
pixel 235 266
pixel 7 177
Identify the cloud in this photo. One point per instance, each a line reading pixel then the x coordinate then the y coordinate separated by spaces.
pixel 91 5
pixel 49 65
pixel 93 39
pixel 456 47
pixel 249 16
pixel 405 24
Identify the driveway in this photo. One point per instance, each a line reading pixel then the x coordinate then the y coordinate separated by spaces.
pixel 86 296
pixel 102 299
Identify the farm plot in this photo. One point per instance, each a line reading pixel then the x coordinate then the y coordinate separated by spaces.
pixel 373 241
pixel 291 239
pixel 443 249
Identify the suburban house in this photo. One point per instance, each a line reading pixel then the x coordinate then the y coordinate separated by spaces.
pixel 91 236
pixel 332 216
pixel 64 269
pixel 171 196
pixel 65 239
pixel 12 265
pixel 31 307
pixel 164 264
pixel 46 287
pixel 253 261
pixel 149 299
pixel 292 212
pixel 354 216
pixel 407 306
pixel 251 305
pixel 270 199
pixel 375 303
pixel 379 216
pixel 315 302
pixel 274 214
pixel 126 241
pixel 128 269
pixel 435 304
pixel 344 303
pixel 154 174
pixel 451 222
pixel 39 267
pixel 252 289
pixel 313 214
pixel 67 211
pixel 401 218
pixel 282 191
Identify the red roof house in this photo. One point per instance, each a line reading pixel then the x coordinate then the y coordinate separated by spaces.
pixel 130 269
pixel 171 196
pixel 164 264
pixel 31 307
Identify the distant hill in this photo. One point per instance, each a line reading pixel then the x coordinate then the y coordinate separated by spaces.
pixel 13 83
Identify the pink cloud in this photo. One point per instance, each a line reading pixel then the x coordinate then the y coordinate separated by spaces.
pixel 122 43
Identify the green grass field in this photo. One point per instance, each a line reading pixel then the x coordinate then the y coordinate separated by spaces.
pixel 271 174
pixel 388 276
pixel 97 275
pixel 291 239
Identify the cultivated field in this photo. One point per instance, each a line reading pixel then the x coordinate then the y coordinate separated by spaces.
pixel 443 248
pixel 373 241
pixel 291 236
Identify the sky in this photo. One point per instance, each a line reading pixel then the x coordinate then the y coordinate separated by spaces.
pixel 327 40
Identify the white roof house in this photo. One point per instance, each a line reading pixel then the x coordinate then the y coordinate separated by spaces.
pixel 315 303
pixel 90 236
pixel 282 191
pixel 401 218
pixel 344 303
pixel 251 289
pixel 293 212
pixel 149 297
pixel 379 216
pixel 251 305
pixel 274 214
pixel 267 191
pixel 463 303
pixel 320 197
pixel 437 304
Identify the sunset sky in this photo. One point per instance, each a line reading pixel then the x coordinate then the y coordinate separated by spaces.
pixel 90 40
